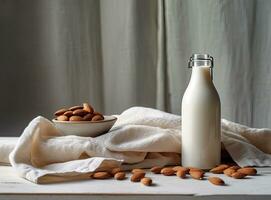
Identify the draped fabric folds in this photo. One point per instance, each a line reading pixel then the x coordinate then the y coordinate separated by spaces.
pixel 120 53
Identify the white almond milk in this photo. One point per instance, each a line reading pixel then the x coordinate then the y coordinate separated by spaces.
pixel 201 118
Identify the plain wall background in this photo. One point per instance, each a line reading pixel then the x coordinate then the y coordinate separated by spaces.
pixel 121 53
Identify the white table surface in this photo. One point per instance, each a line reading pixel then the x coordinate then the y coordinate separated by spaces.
pixel 254 187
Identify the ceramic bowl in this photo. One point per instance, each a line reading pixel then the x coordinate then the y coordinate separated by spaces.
pixel 85 128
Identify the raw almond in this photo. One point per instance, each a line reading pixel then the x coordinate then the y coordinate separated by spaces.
pixel 193 168
pixel 97 118
pixel 175 168
pixel 101 175
pixel 167 171
pixel 238 175
pixel 216 181
pixel 75 108
pixel 136 177
pixel 181 168
pixel 181 173
pixel 88 108
pixel 197 170
pixel 120 176
pixel 224 165
pixel 79 112
pixel 138 171
pixel 235 167
pixel 62 118
pixel 116 170
pixel 196 174
pixel 146 181
pixel 76 118
pixel 229 171
pixel 219 169
pixel 156 170
pixel 60 111
pixel 87 117
pixel 68 113
pixel 248 171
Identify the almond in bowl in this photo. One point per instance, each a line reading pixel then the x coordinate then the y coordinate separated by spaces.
pixel 82 121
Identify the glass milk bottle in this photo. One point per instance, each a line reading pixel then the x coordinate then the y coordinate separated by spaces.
pixel 201 116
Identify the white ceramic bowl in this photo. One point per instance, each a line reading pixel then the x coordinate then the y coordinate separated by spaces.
pixel 85 128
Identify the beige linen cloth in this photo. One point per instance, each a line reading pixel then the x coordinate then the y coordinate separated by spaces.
pixel 141 137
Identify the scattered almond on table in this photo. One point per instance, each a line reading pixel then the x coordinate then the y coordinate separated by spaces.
pixel 235 167
pixel 238 175
pixel 101 175
pixel 78 113
pixel 196 174
pixel 248 171
pixel 176 168
pixel 138 175
pixel 146 181
pixel 219 169
pixel 216 181
pixel 120 176
pixel 116 170
pixel 193 168
pixel 181 173
pixel 138 171
pixel 156 170
pixel 229 171
pixel 168 171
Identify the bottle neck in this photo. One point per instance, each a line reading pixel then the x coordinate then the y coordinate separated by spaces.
pixel 202 74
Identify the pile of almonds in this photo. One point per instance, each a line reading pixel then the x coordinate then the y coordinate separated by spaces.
pixel 78 113
pixel 138 175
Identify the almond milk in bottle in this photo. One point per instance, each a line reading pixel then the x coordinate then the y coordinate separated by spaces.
pixel 201 116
